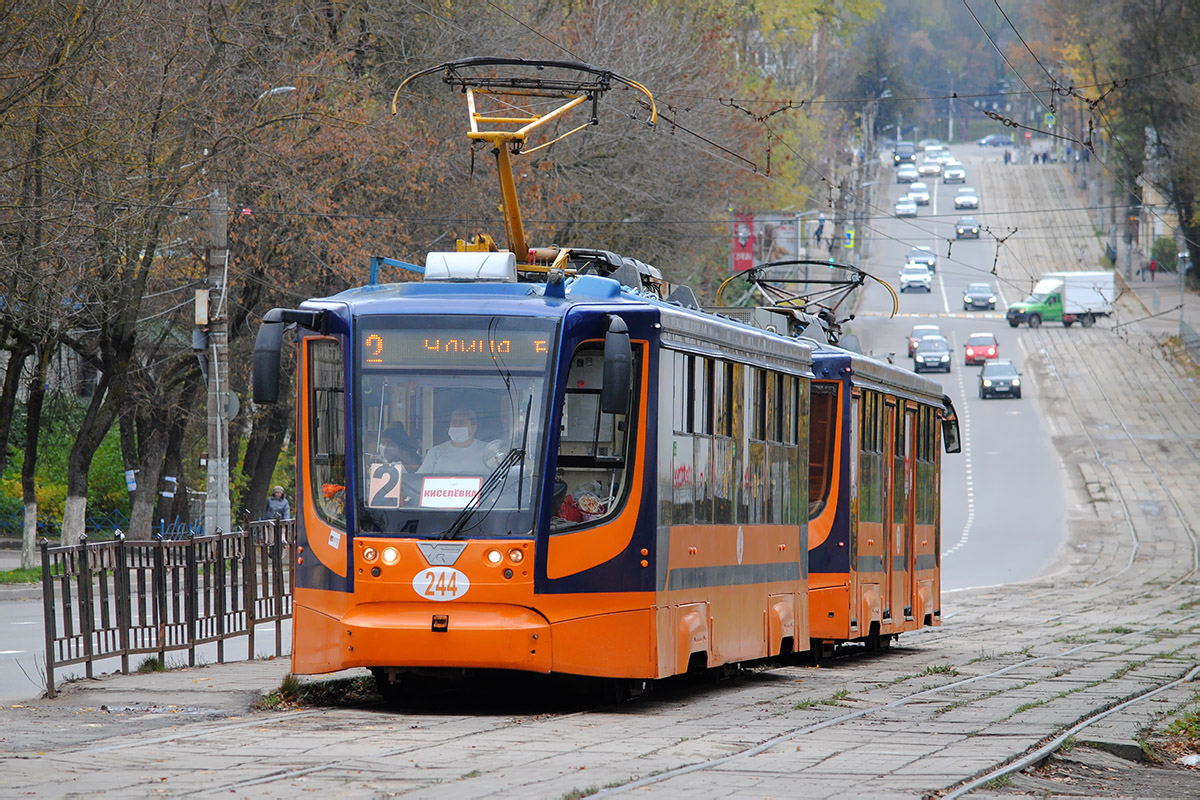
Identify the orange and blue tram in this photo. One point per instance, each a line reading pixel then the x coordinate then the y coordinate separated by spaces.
pixel 566 475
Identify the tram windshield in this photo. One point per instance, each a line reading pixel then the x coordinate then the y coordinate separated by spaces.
pixel 451 417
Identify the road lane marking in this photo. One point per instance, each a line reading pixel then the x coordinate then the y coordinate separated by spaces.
pixel 964 426
pixel 11 652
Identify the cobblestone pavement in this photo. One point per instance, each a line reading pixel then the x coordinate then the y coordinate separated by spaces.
pixel 1098 647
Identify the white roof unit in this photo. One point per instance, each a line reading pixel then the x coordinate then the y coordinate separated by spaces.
pixel 498 267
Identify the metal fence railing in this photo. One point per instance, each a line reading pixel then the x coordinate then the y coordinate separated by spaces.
pixel 122 598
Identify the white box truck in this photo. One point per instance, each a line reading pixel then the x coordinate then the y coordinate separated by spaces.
pixel 1066 297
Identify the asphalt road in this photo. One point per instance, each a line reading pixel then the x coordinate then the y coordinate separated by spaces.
pixel 1003 517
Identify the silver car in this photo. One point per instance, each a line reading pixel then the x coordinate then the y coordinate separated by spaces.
pixel 966 198
pixel 916 277
pixel 919 192
pixel 954 173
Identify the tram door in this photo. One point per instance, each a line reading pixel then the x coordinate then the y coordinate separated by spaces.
pixel 903 484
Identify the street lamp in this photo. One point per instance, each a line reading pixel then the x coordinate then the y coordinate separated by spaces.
pixel 213 335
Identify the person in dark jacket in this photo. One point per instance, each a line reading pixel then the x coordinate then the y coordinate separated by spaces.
pixel 277 505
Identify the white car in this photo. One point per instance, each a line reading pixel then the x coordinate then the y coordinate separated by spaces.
pixel 966 198
pixel 916 277
pixel 919 192
pixel 929 168
pixel 946 157
pixel 906 207
pixel 907 173
pixel 954 173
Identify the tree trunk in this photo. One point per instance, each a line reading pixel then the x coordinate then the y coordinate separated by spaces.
pixel 100 415
pixel 154 448
pixel 262 453
pixel 33 426
pixel 8 400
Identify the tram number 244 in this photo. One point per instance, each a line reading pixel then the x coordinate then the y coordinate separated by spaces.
pixel 441 583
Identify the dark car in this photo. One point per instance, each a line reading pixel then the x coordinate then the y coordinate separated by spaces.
pixel 979 295
pixel 966 228
pixel 999 378
pixel 996 140
pixel 932 354
pixel 923 254
pixel 904 153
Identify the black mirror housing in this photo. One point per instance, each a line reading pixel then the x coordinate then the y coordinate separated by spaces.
pixel 618 368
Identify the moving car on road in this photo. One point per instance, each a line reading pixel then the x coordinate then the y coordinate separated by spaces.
pixel 966 198
pixel 920 332
pixel 923 254
pixel 907 174
pixel 999 379
pixel 916 277
pixel 932 354
pixel 979 295
pixel 981 347
pixel 906 207
pixel 929 168
pixel 903 153
pixel 995 140
pixel 966 228
pixel 919 192
pixel 954 172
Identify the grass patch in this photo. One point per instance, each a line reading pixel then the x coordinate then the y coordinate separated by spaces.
pixel 578 794
pixel 803 704
pixel 13 576
pixel 1116 629
pixel 943 669
pixel 1027 706
pixel 837 698
pixel 998 783
pixel 1187 726
pixel 295 693
pixel 151 664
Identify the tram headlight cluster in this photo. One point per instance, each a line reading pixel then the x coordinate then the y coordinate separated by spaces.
pixel 515 555
pixel 389 556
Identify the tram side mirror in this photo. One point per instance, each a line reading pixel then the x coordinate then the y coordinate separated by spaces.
pixel 618 368
pixel 950 436
pixel 268 344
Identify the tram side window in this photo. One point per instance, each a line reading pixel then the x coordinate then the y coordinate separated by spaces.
pixel 591 476
pixel 822 433
pixel 327 429
pixel 926 466
pixel 871 475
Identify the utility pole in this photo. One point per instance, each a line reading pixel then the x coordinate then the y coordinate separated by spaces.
pixel 216 505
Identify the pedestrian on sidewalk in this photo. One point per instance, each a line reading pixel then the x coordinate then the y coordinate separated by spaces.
pixel 277 506
pixel 1153 267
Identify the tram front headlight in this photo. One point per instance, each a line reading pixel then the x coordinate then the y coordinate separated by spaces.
pixel 370 554
pixel 493 556
pixel 390 555
pixel 516 556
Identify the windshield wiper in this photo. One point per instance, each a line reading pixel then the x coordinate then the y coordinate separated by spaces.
pixel 495 479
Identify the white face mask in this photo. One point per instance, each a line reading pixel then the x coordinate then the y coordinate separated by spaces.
pixel 460 435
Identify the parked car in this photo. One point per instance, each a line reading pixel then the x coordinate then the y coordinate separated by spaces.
pixel 979 295
pixel 916 277
pixel 906 207
pixel 920 332
pixel 999 379
pixel 923 254
pixel 919 192
pixel 932 353
pixel 980 347
pixel 966 198
pixel 929 168
pixel 907 174
pixel 954 173
pixel 996 140
pixel 966 228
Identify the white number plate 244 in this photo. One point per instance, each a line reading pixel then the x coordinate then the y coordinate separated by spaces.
pixel 441 583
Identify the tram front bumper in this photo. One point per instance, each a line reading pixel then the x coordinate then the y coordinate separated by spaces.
pixel 451 635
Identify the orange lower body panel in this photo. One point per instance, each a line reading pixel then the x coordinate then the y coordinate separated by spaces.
pixel 396 634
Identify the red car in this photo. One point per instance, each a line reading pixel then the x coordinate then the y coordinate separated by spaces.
pixel 919 332
pixel 981 347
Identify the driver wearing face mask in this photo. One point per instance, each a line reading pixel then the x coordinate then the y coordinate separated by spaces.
pixel 463 454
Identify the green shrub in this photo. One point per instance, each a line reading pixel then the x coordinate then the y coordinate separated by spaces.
pixel 1166 253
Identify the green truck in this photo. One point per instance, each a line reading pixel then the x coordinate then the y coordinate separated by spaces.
pixel 1066 297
